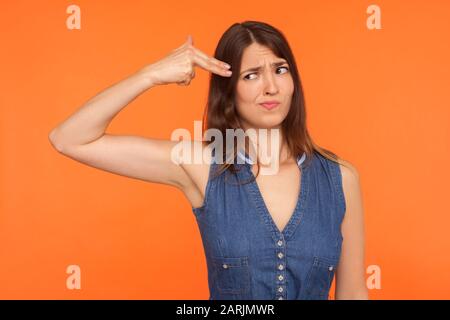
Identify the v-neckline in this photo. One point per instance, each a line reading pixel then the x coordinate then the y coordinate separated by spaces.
pixel 299 208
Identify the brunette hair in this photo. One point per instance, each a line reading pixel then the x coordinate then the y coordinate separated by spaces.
pixel 220 112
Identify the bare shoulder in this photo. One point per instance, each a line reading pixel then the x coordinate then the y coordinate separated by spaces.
pixel 351 186
pixel 349 172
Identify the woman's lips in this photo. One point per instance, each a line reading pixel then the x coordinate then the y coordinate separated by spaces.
pixel 269 106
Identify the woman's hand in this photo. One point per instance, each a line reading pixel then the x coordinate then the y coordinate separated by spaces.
pixel 178 66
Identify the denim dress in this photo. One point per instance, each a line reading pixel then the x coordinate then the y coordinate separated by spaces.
pixel 249 258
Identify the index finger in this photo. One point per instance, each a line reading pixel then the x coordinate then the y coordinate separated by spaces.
pixel 210 63
pixel 205 56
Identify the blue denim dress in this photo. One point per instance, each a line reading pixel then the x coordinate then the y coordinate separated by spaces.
pixel 249 258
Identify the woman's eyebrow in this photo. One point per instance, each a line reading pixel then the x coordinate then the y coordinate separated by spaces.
pixel 274 64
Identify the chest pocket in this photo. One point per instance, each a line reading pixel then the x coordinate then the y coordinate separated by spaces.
pixel 232 275
pixel 319 278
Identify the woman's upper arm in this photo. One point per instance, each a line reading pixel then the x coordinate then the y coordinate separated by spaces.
pixel 132 156
pixel 350 273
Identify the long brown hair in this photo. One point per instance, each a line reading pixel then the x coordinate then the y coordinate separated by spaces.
pixel 220 112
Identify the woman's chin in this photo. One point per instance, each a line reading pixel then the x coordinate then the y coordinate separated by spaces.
pixel 270 122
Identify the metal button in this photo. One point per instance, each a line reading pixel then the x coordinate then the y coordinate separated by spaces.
pixel 280 243
pixel 280 277
pixel 280 255
pixel 225 266
pixel 330 268
pixel 280 289
pixel 280 267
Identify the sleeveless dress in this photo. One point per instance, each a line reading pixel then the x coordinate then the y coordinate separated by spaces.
pixel 249 258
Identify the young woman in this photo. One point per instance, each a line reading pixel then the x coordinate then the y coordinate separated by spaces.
pixel 278 236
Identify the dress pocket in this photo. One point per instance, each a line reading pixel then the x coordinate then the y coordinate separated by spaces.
pixel 232 274
pixel 319 278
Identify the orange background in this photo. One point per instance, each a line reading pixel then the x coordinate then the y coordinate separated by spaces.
pixel 378 98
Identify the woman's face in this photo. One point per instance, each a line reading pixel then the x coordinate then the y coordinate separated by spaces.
pixel 271 82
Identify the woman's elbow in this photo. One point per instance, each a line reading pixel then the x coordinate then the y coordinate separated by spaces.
pixel 55 142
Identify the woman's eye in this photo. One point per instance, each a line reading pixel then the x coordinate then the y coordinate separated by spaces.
pixel 287 69
pixel 247 76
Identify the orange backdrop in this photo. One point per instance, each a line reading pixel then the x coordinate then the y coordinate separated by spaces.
pixel 377 97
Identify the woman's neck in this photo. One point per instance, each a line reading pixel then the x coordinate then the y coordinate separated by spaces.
pixel 269 146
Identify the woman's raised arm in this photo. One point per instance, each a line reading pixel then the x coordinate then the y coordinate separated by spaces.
pixel 82 136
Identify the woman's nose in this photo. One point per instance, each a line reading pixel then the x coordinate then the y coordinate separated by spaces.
pixel 270 84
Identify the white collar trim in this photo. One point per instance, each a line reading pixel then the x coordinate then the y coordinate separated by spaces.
pixel 250 161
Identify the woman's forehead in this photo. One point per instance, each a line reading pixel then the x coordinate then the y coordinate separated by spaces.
pixel 256 55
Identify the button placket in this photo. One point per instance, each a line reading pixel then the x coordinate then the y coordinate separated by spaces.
pixel 281 266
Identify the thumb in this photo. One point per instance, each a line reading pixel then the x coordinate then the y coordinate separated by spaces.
pixel 190 40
